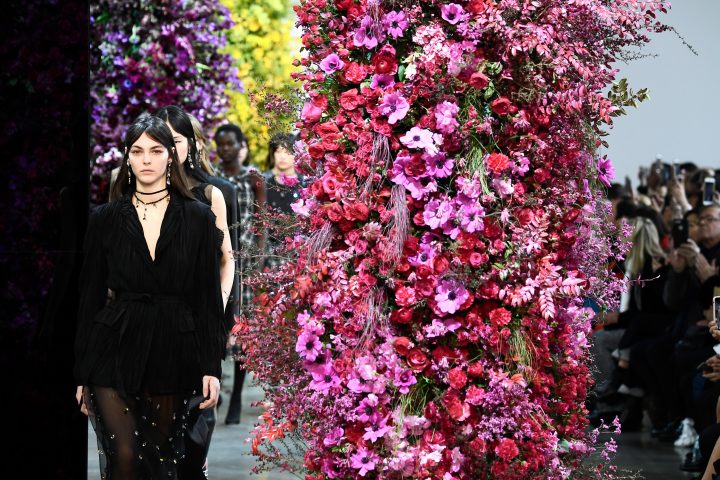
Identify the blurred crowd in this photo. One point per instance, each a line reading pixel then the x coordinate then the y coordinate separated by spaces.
pixel 658 356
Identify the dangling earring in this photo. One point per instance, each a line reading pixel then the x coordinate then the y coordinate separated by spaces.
pixel 129 171
pixel 190 160
pixel 168 173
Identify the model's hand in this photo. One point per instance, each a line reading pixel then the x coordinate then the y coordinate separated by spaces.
pixel 211 391
pixel 81 400
pixel 714 331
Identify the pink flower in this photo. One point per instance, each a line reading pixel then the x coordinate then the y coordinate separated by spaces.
pixel 331 64
pixel 364 460
pixel 395 23
pixel 325 380
pixel 376 430
pixel 437 213
pixel 382 81
pixel 439 166
pixel 367 410
pixel 420 138
pixel 507 449
pixel 367 34
pixel 445 117
pixel 403 380
pixel 310 113
pixel 605 170
pixel 308 346
pixel 452 13
pixel 394 106
pixel 334 437
pixel 450 295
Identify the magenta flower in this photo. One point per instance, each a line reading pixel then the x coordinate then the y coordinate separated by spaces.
pixel 332 63
pixel 452 13
pixel 471 218
pixel 395 23
pixel 437 213
pixel 606 172
pixel 382 80
pixel 394 106
pixel 439 166
pixel 334 437
pixel 450 295
pixel 367 410
pixel 367 34
pixel 364 460
pixel 325 380
pixel 445 117
pixel 308 346
pixel 403 380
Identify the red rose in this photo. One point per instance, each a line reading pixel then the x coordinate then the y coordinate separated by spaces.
pixel 425 287
pixel 507 449
pixel 350 99
pixel 402 316
pixel 477 447
pixel 357 211
pixel 492 230
pixel 326 128
pixel 331 142
pixel 475 369
pixel 310 112
pixel 433 437
pixel 423 271
pixel 500 317
pixel 402 345
pixel 477 259
pixel 476 6
pixel 316 151
pixel 340 365
pixel 416 166
pixel 355 72
pixel 497 162
pixel 502 106
pixel 330 184
pixel 405 296
pixel 440 264
pixel 411 245
pixel 457 409
pixel 474 395
pixel 318 100
pixel 478 80
pixel 457 378
pixel 384 61
pixel 417 360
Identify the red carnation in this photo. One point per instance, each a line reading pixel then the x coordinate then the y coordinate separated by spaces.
pixel 474 395
pixel 507 449
pixel 405 296
pixel 355 72
pixel 402 315
pixel 357 211
pixel 316 151
pixel 476 369
pixel 457 378
pixel 350 99
pixel 525 216
pixel 500 317
pixel 498 162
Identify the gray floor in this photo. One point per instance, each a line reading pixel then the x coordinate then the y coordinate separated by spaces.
pixel 230 457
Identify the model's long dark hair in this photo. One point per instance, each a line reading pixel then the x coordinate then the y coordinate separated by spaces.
pixel 181 123
pixel 285 140
pixel 156 129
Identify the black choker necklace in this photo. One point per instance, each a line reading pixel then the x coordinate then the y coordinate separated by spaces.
pixel 154 204
pixel 150 193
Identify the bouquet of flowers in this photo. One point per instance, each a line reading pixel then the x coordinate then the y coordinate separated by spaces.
pixel 432 325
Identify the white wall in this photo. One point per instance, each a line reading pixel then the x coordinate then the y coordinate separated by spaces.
pixel 681 119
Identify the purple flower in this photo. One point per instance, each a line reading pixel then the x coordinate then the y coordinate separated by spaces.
pixel 452 13
pixel 364 460
pixel 420 138
pixel 425 256
pixel 367 34
pixel 394 106
pixel 308 346
pixel 445 117
pixel 450 296
pixel 376 430
pixel 332 63
pixel 403 379
pixel 439 166
pixel 395 23
pixel 382 80
pixel 437 213
pixel 606 172
pixel 319 364
pixel 471 218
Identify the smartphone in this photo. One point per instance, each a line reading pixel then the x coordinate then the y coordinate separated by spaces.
pixel 708 190
pixel 716 308
pixel 679 232
pixel 677 169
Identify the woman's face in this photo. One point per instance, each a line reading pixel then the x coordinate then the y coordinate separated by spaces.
pixel 693 228
pixel 181 144
pixel 149 160
pixel 284 160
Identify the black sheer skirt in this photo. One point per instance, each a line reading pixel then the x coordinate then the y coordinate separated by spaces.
pixel 145 436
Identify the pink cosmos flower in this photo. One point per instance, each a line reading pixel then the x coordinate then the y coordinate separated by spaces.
pixel 445 117
pixel 395 23
pixel 606 172
pixel 308 346
pixel 382 80
pixel 331 64
pixel 452 13
pixel 367 34
pixel 364 460
pixel 450 295
pixel 394 106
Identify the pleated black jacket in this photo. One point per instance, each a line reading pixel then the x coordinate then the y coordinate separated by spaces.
pixel 164 329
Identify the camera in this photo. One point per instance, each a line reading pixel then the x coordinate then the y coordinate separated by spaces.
pixel 679 232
